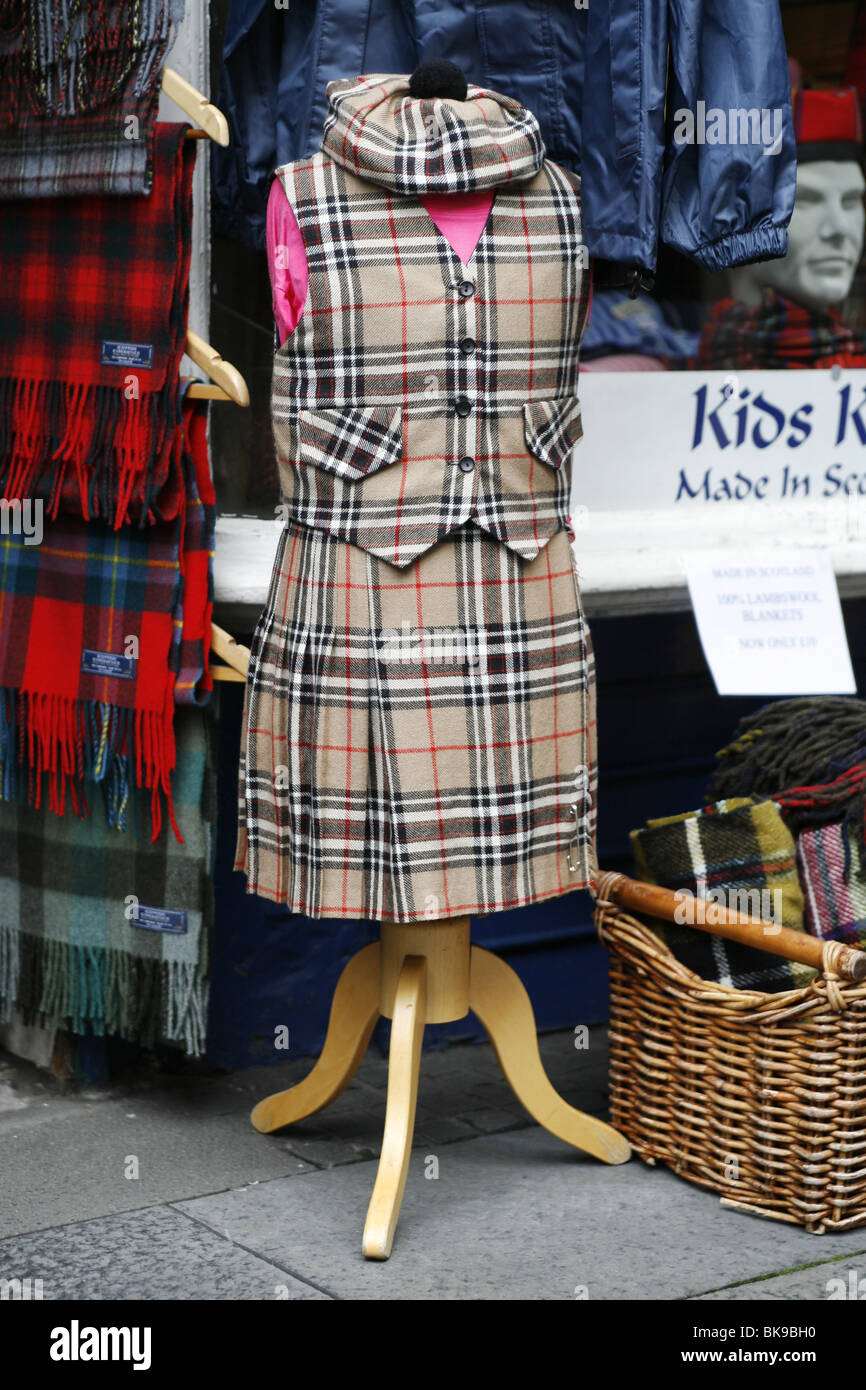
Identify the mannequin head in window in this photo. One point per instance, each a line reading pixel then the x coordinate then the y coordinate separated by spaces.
pixel 825 235
pixel 825 240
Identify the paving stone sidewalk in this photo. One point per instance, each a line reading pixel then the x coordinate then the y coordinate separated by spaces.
pixel 159 1187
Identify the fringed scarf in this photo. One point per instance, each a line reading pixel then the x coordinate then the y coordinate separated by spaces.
pixel 194 681
pixel 808 754
pixel 778 334
pixel 79 89
pixel 102 933
pixel 94 296
pixel 101 630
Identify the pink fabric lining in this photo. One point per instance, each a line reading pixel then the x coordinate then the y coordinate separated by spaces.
pixel 287 262
pixel 460 218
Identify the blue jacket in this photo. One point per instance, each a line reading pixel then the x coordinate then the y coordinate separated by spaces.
pixel 609 104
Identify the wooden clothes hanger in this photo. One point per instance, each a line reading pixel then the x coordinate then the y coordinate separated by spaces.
pixel 213 124
pixel 225 381
pixel 237 657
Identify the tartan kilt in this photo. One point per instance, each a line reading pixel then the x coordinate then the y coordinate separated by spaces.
pixel 418 743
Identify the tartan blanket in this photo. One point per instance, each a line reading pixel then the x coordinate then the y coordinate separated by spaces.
pixel 79 90
pixel 104 933
pixel 832 863
pixel 100 632
pixel 738 846
pixel 777 334
pixel 93 308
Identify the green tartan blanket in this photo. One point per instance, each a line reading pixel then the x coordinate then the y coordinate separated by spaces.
pixel 740 846
pixel 106 932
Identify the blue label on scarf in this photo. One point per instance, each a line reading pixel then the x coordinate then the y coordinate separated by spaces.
pixel 126 354
pixel 95 663
pixel 161 919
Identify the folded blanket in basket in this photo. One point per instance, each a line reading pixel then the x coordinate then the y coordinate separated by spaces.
pixel 94 297
pixel 79 89
pixel 739 853
pixel 104 933
pixel 100 632
pixel 833 874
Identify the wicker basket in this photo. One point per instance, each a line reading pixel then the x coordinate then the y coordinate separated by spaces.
pixel 760 1097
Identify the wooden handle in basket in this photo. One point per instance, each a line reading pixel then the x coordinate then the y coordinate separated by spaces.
pixel 735 926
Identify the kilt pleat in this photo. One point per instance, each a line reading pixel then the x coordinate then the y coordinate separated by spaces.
pixel 418 743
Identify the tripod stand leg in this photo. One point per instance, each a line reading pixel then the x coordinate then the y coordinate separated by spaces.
pixel 354 1011
pixel 407 1031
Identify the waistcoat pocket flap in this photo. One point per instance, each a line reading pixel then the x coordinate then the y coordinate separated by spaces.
pixel 351 440
pixel 552 428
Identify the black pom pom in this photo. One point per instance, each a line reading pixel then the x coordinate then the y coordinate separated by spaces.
pixel 438 78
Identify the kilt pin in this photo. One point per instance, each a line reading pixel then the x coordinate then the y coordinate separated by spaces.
pixel 419 737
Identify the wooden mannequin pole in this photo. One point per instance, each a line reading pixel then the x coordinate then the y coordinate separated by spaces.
pixel 445 946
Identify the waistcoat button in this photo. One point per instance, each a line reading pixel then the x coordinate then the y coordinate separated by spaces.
pixel 467 345
pixel 463 405
pixel 465 289
pixel 466 464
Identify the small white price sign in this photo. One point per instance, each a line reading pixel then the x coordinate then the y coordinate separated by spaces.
pixel 770 622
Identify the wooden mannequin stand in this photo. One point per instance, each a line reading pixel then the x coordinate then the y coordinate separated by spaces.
pixel 417 974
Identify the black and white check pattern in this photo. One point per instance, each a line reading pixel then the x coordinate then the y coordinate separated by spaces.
pixel 444 146
pixel 353 442
pixel 395 376
pixel 423 746
pixel 420 711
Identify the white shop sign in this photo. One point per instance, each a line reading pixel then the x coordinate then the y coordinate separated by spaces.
pixel 690 440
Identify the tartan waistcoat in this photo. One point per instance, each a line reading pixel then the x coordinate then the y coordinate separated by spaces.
pixel 417 392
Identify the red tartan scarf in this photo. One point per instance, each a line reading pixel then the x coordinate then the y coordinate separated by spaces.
pixel 101 631
pixel 777 334
pixel 194 681
pixel 93 307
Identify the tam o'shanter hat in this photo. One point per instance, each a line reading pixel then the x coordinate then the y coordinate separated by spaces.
pixel 387 129
pixel 827 125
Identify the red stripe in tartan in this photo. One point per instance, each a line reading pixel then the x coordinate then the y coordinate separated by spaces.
pixel 194 680
pixel 325 746
pixel 556 735
pixel 510 582
pixel 346 821
pixel 431 742
pixel 401 488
